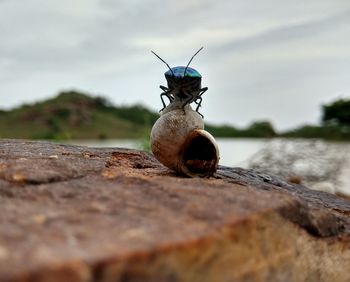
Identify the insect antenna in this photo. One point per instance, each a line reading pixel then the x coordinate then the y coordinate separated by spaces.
pixel 191 60
pixel 164 62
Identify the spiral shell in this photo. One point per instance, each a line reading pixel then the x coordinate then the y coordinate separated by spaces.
pixel 179 141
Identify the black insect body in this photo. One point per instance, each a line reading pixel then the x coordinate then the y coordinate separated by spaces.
pixel 184 85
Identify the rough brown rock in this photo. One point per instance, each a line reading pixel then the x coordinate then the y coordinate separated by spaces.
pixel 70 213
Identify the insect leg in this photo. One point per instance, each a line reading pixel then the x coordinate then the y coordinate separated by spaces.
pixel 201 92
pixel 163 88
pixel 188 100
pixel 204 89
pixel 198 105
pixel 168 95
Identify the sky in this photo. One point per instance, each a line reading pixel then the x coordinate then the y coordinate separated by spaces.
pixel 273 60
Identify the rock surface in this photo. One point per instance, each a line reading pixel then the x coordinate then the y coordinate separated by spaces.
pixel 70 213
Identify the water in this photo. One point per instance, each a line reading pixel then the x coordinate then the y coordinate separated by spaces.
pixel 316 163
pixel 320 165
pixel 238 151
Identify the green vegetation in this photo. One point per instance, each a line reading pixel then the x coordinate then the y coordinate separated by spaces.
pixel 337 113
pixel 258 129
pixel 74 115
pixel 335 123
pixel 330 132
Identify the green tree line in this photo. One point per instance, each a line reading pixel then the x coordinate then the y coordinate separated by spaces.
pixel 75 115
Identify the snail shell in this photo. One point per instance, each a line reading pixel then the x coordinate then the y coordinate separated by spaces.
pixel 179 141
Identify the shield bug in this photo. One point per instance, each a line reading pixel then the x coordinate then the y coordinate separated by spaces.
pixel 184 84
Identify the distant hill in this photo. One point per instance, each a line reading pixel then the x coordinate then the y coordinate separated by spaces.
pixel 73 115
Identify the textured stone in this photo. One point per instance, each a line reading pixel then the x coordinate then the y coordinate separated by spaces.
pixel 70 213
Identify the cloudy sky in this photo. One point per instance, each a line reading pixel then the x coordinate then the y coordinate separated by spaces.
pixel 271 59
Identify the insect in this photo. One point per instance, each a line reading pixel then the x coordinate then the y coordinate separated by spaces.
pixel 184 84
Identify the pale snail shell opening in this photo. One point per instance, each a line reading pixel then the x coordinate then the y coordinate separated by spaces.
pixel 179 142
pixel 200 154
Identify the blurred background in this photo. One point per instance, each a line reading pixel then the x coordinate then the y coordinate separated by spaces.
pixel 278 75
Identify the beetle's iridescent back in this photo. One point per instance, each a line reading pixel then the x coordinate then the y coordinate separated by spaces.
pixel 179 72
